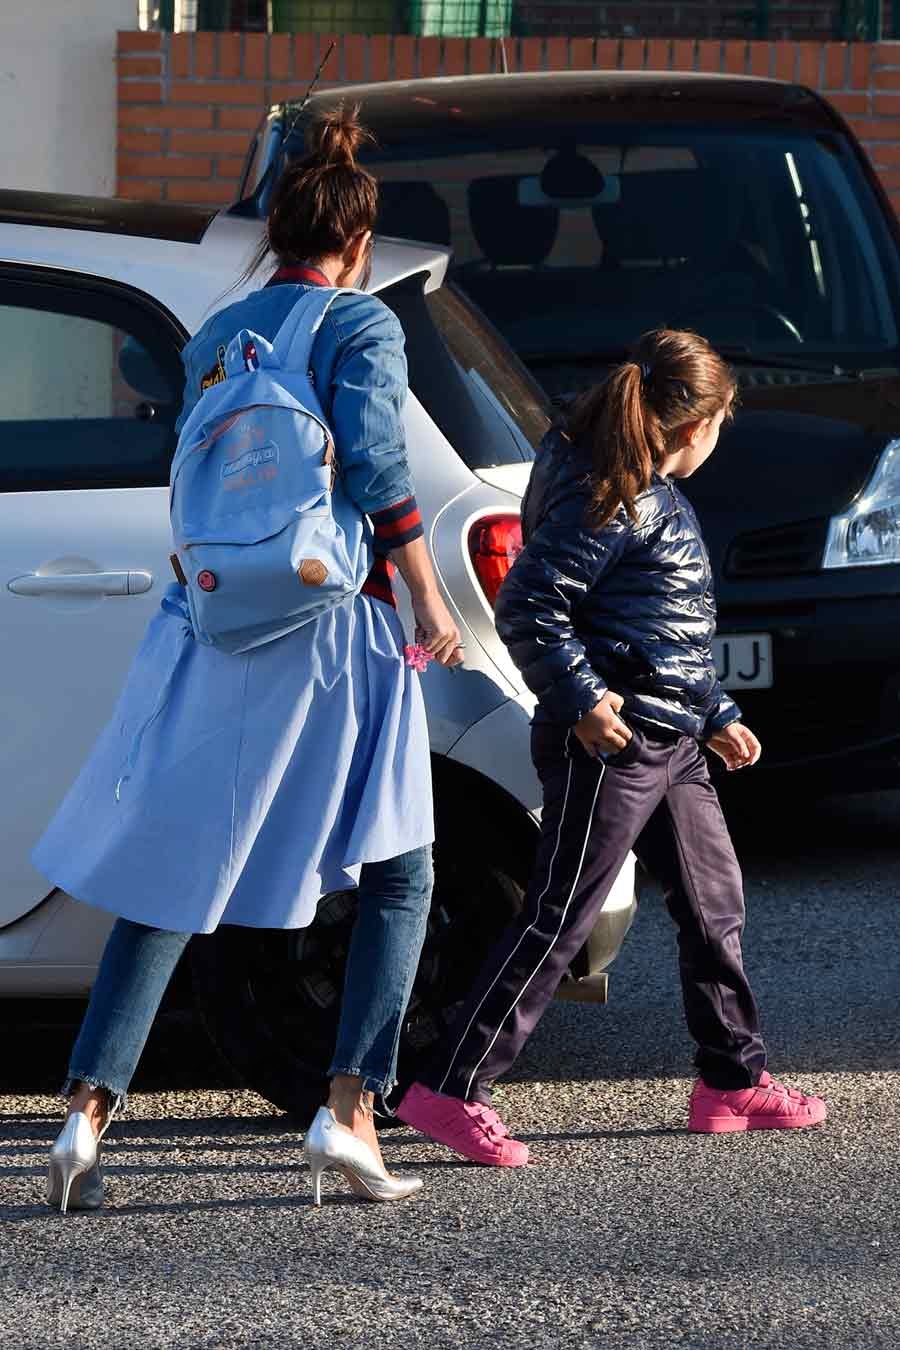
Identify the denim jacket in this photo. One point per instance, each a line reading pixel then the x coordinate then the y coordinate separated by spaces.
pixel 359 370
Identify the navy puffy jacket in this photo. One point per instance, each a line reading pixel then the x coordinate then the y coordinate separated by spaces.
pixel 628 606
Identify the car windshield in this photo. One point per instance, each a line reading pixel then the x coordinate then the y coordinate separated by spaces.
pixel 771 243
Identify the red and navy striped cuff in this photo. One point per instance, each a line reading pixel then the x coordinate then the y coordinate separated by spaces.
pixel 379 581
pixel 398 525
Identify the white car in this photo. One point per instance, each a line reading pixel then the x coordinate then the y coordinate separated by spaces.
pixel 96 299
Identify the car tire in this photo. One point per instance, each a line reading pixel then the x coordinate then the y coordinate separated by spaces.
pixel 270 998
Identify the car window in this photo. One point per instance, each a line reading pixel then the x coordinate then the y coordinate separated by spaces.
pixel 466 377
pixel 261 168
pixel 251 173
pixel 495 378
pixel 85 400
pixel 575 241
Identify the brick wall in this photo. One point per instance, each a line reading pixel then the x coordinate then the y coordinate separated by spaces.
pixel 187 102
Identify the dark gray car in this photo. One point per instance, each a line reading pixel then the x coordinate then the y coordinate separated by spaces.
pixel 585 208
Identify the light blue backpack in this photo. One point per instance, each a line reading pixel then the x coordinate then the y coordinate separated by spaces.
pixel 266 537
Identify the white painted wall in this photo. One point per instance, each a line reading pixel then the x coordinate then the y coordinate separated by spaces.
pixel 58 93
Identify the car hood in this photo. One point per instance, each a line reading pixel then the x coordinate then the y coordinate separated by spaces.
pixel 794 453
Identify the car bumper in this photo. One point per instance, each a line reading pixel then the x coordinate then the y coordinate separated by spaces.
pixel 834 706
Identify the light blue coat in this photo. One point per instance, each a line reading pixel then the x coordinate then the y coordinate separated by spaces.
pixel 251 785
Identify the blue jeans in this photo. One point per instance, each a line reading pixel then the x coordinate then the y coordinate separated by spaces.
pixel 138 962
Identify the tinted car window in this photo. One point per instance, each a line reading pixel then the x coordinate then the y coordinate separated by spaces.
pixel 89 391
pixel 465 376
pixel 770 242
pixel 263 155
pixel 495 378
pixel 251 172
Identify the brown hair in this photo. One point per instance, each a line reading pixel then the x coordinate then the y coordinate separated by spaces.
pixel 323 201
pixel 635 418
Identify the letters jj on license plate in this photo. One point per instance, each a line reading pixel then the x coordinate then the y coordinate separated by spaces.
pixel 744 660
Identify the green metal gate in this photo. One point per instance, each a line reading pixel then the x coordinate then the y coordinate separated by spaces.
pixel 817 20
pixel 424 18
pixel 862 20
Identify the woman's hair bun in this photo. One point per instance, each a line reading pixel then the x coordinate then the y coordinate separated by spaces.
pixel 335 136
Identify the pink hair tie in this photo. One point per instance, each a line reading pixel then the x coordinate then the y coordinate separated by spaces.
pixel 417 657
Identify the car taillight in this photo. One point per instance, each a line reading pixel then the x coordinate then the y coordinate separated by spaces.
pixel 494 544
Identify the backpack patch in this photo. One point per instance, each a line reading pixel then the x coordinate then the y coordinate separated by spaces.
pixel 247 466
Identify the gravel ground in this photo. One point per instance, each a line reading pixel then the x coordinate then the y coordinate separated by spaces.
pixel 628 1231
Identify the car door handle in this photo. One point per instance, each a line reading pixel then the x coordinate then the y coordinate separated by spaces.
pixel 81 583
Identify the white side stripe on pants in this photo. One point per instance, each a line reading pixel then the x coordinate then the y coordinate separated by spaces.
pixel 529 929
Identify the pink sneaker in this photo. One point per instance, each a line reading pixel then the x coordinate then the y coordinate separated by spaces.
pixel 469 1128
pixel 768 1106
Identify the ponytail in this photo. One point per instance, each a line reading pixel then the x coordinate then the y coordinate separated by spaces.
pixel 632 421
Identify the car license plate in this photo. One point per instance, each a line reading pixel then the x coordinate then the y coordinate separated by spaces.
pixel 744 660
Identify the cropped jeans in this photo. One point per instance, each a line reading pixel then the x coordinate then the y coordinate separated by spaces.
pixel 138 962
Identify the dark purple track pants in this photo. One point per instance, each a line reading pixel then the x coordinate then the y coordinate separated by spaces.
pixel 655 797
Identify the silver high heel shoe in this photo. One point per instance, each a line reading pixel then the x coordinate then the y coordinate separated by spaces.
pixel 328 1145
pixel 74 1171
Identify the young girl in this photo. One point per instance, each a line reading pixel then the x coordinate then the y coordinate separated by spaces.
pixel 609 614
pixel 268 779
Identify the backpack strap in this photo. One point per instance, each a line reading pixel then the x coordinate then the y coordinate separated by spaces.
pixel 293 343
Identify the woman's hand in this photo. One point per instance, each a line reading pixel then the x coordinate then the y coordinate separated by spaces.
pixel 435 629
pixel 602 731
pixel 736 746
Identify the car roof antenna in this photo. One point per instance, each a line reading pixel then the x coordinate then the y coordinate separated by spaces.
pixel 258 197
pixel 309 92
pixel 504 61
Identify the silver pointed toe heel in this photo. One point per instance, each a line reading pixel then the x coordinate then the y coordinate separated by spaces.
pixel 328 1145
pixel 74 1180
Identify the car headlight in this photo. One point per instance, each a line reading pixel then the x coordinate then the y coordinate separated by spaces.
pixel 868 532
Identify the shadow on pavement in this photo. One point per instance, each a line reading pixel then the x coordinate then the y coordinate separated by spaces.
pixel 28 1213
pixel 821 947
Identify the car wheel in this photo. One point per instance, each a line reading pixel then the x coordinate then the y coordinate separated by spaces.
pixel 270 998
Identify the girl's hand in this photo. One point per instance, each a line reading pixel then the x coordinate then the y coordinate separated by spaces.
pixel 602 731
pixel 435 629
pixel 736 746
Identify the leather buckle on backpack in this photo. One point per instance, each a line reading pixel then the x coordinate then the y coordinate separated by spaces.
pixel 312 572
pixel 329 459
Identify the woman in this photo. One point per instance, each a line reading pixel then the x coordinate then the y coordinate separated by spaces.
pixel 242 788
pixel 609 613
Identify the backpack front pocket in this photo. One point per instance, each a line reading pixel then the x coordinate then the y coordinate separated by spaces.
pixel 242 586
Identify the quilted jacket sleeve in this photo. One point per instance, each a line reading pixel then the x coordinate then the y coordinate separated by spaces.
pixel 724 712
pixel 536 609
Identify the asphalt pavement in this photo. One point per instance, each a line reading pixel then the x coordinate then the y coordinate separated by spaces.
pixel 626 1232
